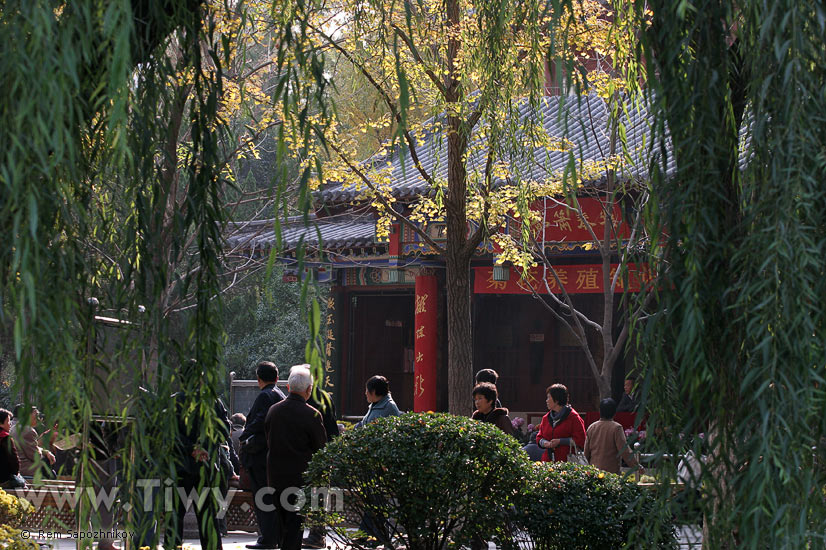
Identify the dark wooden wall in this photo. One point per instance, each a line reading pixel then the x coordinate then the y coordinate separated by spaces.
pixel 514 335
pixel 380 342
pixel 519 338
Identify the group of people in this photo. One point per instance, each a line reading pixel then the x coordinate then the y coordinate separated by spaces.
pixel 282 432
pixel 270 448
pixel 562 429
pixel 24 451
pixel 279 437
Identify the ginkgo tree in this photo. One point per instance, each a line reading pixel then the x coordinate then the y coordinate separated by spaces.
pixel 465 72
pixel 603 196
pixel 607 210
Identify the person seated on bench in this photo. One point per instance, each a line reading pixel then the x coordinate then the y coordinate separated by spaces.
pixel 33 457
pixel 9 462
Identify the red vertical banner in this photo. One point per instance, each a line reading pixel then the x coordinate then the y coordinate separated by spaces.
pixel 425 344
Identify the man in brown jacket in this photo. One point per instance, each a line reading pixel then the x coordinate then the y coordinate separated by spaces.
pixel 33 457
pixel 294 432
pixel 605 441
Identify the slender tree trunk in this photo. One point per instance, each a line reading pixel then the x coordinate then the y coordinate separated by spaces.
pixel 714 537
pixel 459 327
pixel 459 251
pixel 459 331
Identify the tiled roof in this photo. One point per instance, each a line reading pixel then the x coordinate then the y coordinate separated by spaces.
pixel 336 232
pixel 582 121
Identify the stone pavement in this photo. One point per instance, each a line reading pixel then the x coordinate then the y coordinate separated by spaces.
pixel 690 536
pixel 235 541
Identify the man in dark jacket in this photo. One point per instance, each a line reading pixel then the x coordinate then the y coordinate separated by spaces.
pixel 323 403
pixel 254 454
pixel 294 432
pixel 628 403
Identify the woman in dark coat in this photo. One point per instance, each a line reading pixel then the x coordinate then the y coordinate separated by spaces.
pixel 9 462
pixel 484 397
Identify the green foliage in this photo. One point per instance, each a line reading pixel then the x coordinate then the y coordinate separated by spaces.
pixel 12 539
pixel 14 510
pixel 737 349
pixel 265 321
pixel 442 478
pixel 571 506
pixel 90 169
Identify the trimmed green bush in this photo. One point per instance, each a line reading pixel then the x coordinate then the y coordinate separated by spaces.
pixel 437 479
pixel 569 506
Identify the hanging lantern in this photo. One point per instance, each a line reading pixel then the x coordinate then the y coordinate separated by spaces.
pixel 501 273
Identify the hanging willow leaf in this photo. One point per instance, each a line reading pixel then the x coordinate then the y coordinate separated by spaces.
pixel 736 351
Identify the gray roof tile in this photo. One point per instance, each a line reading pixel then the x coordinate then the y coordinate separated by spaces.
pixel 336 232
pixel 581 120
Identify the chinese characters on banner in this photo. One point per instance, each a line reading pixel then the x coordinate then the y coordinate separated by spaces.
pixel 425 344
pixel 575 279
pixel 563 224
pixel 331 343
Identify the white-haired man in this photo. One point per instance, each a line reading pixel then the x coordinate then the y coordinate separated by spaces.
pixel 294 432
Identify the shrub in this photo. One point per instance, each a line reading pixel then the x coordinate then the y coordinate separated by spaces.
pixel 571 506
pixel 13 510
pixel 12 539
pixel 441 479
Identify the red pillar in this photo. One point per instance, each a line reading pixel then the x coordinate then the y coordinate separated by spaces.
pixel 425 343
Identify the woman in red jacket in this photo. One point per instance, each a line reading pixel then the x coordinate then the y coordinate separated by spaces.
pixel 560 426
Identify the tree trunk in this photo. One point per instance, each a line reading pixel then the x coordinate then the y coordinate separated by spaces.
pixel 459 331
pixel 459 250
pixel 604 383
pixel 715 536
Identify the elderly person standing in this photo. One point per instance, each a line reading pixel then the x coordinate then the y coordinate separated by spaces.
pixel 561 427
pixel 322 401
pixel 605 441
pixel 377 391
pixel 295 431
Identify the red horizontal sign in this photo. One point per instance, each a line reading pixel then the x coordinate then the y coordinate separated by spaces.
pixel 564 223
pixel 575 279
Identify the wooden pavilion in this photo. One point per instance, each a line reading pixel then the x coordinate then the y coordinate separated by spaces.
pixel 386 310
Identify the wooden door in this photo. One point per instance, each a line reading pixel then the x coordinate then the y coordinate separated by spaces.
pixel 382 342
